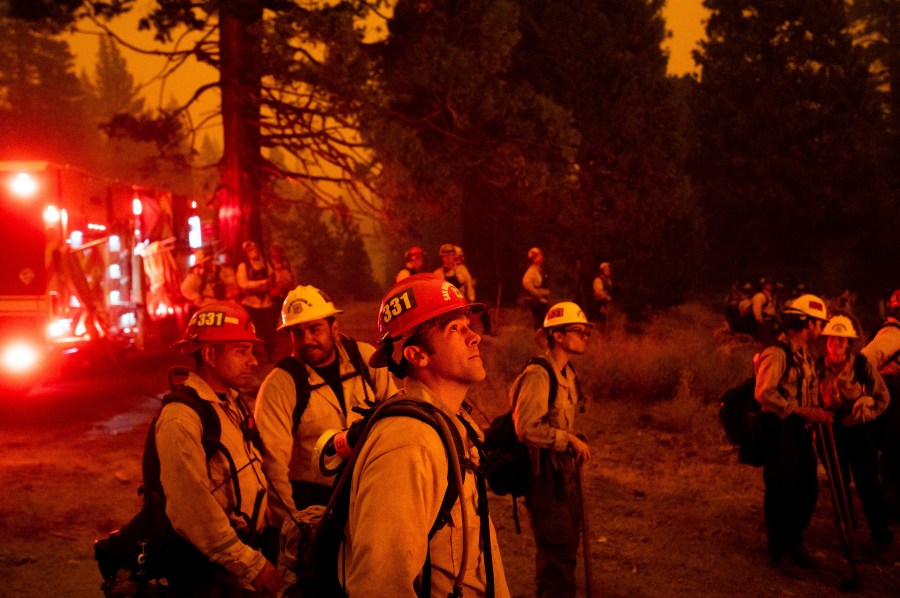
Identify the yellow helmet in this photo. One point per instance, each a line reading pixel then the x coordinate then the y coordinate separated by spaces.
pixel 565 313
pixel 809 306
pixel 840 326
pixel 305 304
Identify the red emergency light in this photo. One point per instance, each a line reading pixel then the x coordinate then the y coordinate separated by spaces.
pixel 23 185
pixel 19 357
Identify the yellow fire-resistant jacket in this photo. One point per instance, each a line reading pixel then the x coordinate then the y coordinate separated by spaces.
pixel 884 345
pixel 395 495
pixel 539 424
pixel 200 497
pixel 781 390
pixel 533 284
pixel 288 452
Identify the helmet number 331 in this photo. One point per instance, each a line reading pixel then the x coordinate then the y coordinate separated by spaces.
pixel 398 304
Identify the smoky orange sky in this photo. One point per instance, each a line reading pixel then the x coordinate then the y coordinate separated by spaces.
pixel 684 18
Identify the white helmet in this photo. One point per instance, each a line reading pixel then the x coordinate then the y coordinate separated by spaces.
pixel 565 313
pixel 305 304
pixel 809 306
pixel 840 326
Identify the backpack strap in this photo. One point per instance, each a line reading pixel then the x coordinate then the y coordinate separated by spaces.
pixel 554 383
pixel 861 372
pixel 302 388
pixel 483 510
pixel 337 510
pixel 209 420
pixel 356 359
pixel 789 363
pixel 211 432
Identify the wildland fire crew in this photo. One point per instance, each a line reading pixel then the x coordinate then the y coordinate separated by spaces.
pixel 535 285
pixel 787 390
pixel 553 498
pixel 217 502
pixel 852 388
pixel 413 262
pixel 400 476
pixel 332 383
pixel 884 353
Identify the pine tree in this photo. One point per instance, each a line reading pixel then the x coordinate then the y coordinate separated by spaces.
pixel 788 160
pixel 114 87
pixel 41 101
pixel 603 63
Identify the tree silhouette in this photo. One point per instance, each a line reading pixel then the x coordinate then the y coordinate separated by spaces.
pixel 789 157
pixel 41 101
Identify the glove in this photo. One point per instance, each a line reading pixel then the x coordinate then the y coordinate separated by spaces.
pixel 864 409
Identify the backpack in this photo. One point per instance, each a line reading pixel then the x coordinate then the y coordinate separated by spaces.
pixel 311 549
pixel 506 464
pixel 741 416
pixel 303 388
pixel 147 548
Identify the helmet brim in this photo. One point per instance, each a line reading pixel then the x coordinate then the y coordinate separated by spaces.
pixel 322 316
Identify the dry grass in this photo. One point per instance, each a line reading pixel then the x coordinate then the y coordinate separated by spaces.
pixel 680 359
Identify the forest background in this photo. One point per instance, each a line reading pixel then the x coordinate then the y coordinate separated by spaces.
pixel 499 125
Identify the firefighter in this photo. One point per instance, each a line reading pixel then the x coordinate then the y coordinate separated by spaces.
pixel 281 275
pixel 535 285
pixel 460 259
pixel 553 498
pixel 787 390
pixel 884 353
pixel 455 273
pixel 326 370
pixel 207 282
pixel 254 280
pixel 764 310
pixel 413 262
pixel 201 490
pixel 400 475
pixel 602 291
pixel 852 388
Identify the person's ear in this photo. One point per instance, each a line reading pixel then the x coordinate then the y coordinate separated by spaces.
pixel 415 355
pixel 208 353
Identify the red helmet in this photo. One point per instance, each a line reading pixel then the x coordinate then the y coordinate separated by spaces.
pixel 413 252
pixel 221 321
pixel 895 300
pixel 417 299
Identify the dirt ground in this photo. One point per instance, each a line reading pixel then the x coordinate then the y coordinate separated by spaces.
pixel 671 512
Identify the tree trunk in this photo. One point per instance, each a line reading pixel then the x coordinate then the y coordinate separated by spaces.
pixel 239 44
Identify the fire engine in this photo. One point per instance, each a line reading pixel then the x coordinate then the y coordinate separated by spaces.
pixel 86 261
